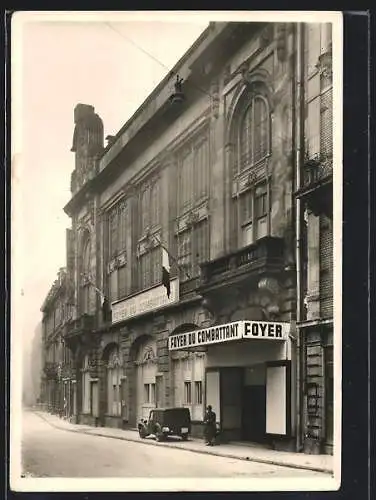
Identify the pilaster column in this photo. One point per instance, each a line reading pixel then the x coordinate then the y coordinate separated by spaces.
pixel 313 270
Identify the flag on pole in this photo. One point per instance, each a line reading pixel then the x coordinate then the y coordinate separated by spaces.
pixel 106 310
pixel 166 271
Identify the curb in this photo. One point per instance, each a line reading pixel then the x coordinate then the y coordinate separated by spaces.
pixel 202 452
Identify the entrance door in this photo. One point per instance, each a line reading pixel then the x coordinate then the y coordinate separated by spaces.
pixel 74 398
pixel 146 379
pixel 254 413
pixel 159 391
pixel 329 395
pixel 231 402
pixel 94 399
pixel 124 399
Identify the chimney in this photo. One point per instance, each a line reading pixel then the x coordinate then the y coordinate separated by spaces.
pixel 88 129
pixel 110 139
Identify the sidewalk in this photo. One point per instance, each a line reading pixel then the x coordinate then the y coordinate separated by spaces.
pixel 319 463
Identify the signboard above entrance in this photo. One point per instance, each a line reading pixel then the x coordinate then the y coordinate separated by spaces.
pixel 144 302
pixel 237 330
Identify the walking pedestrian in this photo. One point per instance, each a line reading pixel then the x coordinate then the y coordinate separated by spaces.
pixel 210 426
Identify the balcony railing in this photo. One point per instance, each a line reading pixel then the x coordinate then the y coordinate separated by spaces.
pixel 85 323
pixel 51 369
pixel 188 287
pixel 317 185
pixel 317 170
pixel 265 254
pixel 68 371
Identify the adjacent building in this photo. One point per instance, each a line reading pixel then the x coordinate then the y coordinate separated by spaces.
pixel 210 169
pixel 315 208
pixel 56 393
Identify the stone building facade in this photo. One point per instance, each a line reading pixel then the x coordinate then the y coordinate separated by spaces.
pixel 207 168
pixel 55 394
pixel 315 201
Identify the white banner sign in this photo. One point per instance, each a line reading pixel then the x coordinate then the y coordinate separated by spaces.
pixel 150 300
pixel 237 330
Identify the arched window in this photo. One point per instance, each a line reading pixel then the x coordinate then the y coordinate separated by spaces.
pixel 114 374
pixel 254 133
pixel 85 285
pixel 252 200
pixel 188 372
pixel 85 385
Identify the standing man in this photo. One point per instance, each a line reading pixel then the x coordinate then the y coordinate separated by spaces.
pixel 210 426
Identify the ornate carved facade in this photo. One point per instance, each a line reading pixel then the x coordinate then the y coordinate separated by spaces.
pixel 208 175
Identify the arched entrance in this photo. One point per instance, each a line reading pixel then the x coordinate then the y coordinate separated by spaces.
pixel 114 374
pixel 188 377
pixel 146 364
pixel 85 386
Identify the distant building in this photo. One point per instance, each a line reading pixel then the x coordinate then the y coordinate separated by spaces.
pixel 35 367
pixel 209 168
pixel 56 391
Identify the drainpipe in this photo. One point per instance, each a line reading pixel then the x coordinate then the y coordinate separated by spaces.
pixel 299 130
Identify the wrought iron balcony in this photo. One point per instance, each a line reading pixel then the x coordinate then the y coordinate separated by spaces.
pixel 317 185
pixel 68 371
pixel 188 287
pixel 84 324
pixel 264 256
pixel 51 369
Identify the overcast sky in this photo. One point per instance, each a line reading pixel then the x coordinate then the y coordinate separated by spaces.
pixel 57 65
pixel 58 61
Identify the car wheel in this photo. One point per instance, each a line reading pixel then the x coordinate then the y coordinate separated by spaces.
pixel 160 437
pixel 141 433
pixel 184 437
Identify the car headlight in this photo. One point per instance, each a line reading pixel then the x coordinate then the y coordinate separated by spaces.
pixel 165 429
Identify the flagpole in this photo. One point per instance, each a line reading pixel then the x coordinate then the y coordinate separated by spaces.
pixel 103 295
pixel 172 257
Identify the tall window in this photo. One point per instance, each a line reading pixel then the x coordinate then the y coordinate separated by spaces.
pixel 193 173
pixel 114 373
pixel 201 169
pixel 253 206
pixel 85 385
pixel 193 188
pixel 318 123
pixel 193 249
pixel 149 212
pixel 188 375
pixel 254 133
pixel 150 265
pixel 117 262
pixel 117 229
pixel 149 256
pixel 85 283
pixel 149 393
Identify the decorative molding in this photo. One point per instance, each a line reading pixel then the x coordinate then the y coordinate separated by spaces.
pixel 325 64
pixel 281 45
pixel 215 98
pixel 114 362
pixel 119 261
pixel 227 75
pixel 249 178
pixel 148 241
pixel 191 218
pixel 267 35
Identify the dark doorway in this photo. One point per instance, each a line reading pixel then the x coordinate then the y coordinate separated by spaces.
pixel 231 382
pixel 254 413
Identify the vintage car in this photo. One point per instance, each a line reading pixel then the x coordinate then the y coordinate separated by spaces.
pixel 164 422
